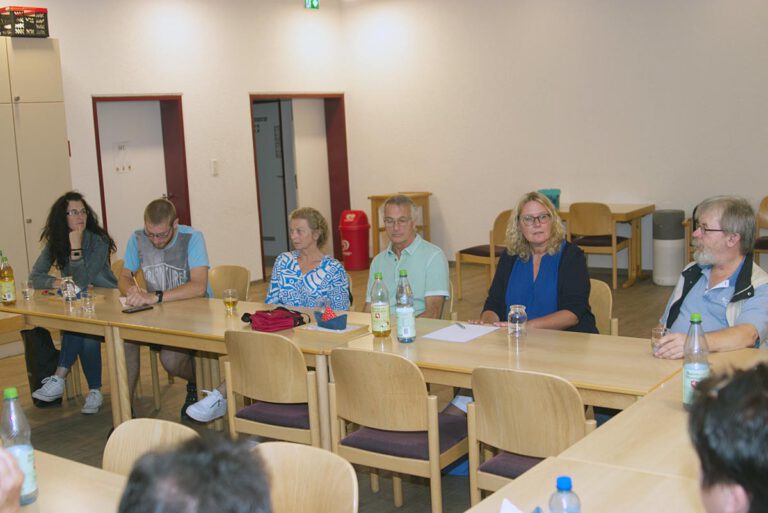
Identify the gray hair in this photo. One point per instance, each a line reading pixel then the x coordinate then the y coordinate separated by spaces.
pixel 400 200
pixel 736 216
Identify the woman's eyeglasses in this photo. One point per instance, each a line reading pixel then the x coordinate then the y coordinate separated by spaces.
pixel 75 212
pixel 531 220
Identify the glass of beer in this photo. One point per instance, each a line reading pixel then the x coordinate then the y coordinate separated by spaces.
pixel 230 300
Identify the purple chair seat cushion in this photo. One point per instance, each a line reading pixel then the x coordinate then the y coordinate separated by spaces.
pixel 277 414
pixel 509 464
pixel 761 243
pixel 482 251
pixel 409 444
pixel 596 240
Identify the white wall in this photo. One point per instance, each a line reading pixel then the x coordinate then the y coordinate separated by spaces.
pixel 312 162
pixel 477 102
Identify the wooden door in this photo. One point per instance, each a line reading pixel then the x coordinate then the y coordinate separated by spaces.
pixel 43 153
pixel 12 241
pixel 35 70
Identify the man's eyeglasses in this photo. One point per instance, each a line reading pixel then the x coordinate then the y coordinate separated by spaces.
pixel 531 220
pixel 705 229
pixel 400 221
pixel 75 212
pixel 159 236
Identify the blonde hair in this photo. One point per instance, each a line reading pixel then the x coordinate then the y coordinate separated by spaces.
pixel 160 211
pixel 517 244
pixel 315 220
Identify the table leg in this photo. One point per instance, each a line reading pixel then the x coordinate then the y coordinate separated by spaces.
pixel 321 372
pixel 109 342
pixel 635 253
pixel 218 424
pixel 123 392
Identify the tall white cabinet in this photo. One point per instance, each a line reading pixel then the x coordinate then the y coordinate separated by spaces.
pixel 34 152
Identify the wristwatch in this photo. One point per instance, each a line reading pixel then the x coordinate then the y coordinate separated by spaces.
pixel 159 294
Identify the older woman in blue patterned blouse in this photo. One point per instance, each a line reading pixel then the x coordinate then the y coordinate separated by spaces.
pixel 306 275
pixel 302 277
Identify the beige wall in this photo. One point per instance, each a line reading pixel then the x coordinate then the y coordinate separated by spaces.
pixel 621 101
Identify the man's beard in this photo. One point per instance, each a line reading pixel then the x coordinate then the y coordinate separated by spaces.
pixel 702 256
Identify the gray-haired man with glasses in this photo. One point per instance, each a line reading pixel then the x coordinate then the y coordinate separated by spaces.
pixel 723 284
pixel 174 261
pixel 426 263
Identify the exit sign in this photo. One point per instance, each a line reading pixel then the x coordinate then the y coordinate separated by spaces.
pixel 312 4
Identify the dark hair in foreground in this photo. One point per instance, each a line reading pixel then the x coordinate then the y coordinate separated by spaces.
pixel 729 428
pixel 55 234
pixel 204 475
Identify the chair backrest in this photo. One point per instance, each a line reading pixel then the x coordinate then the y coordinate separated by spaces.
pixel 590 219
pixel 762 215
pixel 133 438
pixel 223 277
pixel 601 302
pixel 527 413
pixel 448 313
pixel 305 478
pixel 117 269
pixel 379 390
pixel 266 366
pixel 499 230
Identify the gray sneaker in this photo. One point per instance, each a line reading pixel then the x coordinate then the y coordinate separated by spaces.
pixel 93 402
pixel 52 389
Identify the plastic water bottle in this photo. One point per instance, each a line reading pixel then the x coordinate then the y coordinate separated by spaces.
pixel 380 326
pixel 406 322
pixel 564 500
pixel 695 362
pixel 15 433
pixel 516 320
pixel 7 283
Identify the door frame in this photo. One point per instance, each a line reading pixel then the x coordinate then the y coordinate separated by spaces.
pixel 336 146
pixel 174 150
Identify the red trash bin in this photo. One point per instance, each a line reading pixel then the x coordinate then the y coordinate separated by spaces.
pixel 354 239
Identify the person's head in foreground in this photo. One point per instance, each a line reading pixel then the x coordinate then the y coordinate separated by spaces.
pixel 203 475
pixel 729 429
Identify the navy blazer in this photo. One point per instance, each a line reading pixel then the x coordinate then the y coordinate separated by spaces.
pixel 572 288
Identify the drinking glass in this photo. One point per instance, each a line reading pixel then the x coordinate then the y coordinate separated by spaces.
pixel 230 300
pixel 656 334
pixel 516 320
pixel 87 302
pixel 27 290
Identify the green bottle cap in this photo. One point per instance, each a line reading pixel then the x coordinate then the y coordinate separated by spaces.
pixel 695 317
pixel 377 276
pixel 10 393
pixel 403 273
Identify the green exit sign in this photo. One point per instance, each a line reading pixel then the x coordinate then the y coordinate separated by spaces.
pixel 312 4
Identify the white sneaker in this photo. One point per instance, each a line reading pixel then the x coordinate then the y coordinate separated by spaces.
pixel 52 389
pixel 210 408
pixel 93 402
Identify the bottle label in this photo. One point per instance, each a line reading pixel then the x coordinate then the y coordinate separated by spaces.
pixel 25 456
pixel 692 374
pixel 380 317
pixel 406 324
pixel 7 291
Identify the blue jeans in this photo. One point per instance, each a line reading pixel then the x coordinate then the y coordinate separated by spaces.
pixel 88 348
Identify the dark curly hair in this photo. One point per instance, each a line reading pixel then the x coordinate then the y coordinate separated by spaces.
pixel 56 231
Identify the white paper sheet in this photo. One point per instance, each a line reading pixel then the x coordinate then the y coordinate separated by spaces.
pixel 457 333
pixel 508 507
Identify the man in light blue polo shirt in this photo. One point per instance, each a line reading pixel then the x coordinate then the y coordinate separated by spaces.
pixel 723 284
pixel 426 263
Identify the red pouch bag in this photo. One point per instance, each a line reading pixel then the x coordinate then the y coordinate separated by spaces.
pixel 278 319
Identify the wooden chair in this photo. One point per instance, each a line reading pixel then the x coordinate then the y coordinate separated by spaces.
pixel 761 242
pixel 154 351
pixel 526 416
pixel 591 227
pixel 270 370
pixel 449 313
pixel 601 302
pixel 304 478
pixel 398 427
pixel 135 437
pixel 482 254
pixel 223 277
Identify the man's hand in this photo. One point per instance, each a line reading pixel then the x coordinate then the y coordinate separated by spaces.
pixel 138 297
pixel 11 479
pixel 670 346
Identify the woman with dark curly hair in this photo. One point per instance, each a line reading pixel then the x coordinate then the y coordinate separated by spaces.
pixel 77 246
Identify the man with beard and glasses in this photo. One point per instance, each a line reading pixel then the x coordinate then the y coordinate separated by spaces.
pixel 723 284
